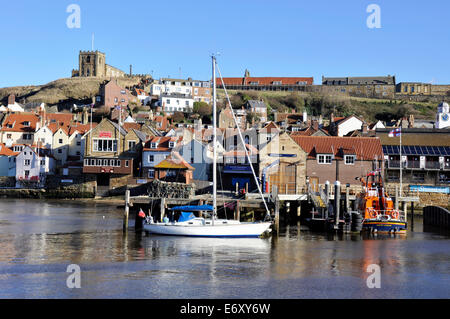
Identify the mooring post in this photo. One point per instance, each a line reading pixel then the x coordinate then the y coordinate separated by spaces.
pixel 347 198
pixel 237 211
pixel 163 208
pixel 277 208
pixel 412 216
pixel 337 201
pixel 127 210
pixel 277 215
pixel 327 197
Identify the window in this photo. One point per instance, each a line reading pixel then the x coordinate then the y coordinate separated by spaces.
pixel 151 174
pixel 151 158
pixel 78 153
pixel 418 177
pixel 127 163
pixel 105 145
pixel 78 143
pixel 26 123
pixel 171 144
pixel 168 101
pixel 27 136
pixel 171 173
pixel 154 145
pixel 324 159
pixel 8 136
pixel 350 159
pixel 60 141
pixel 123 92
pixel 131 145
pixel 60 151
pixel 27 162
pixel 27 174
pixel 116 100
pixel 43 162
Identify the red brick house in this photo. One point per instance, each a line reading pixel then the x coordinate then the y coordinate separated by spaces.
pixel 340 158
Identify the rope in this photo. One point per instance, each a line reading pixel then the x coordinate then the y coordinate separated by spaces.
pixel 242 141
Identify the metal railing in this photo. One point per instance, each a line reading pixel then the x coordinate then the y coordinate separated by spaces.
pixel 433 165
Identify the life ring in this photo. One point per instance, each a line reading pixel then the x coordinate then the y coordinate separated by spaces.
pixel 372 213
pixel 395 215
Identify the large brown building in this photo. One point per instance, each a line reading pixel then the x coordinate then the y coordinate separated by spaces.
pixel 112 154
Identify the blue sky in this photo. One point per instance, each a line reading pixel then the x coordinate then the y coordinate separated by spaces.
pixel 270 38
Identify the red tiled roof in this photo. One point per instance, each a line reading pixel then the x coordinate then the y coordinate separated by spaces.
pixel 266 80
pixel 17 120
pixel 365 148
pixel 163 143
pixel 163 121
pixel 130 126
pixel 6 151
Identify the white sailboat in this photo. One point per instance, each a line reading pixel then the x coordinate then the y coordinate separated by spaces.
pixel 189 225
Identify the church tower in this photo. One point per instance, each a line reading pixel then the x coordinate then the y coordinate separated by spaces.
pixel 443 116
pixel 92 63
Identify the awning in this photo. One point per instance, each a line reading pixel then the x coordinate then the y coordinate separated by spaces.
pixel 193 208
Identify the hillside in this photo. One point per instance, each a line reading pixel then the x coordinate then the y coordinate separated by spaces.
pixel 316 104
pixel 62 91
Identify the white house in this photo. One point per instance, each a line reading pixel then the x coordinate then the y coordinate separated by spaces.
pixel 44 137
pixel 33 164
pixel 171 86
pixel 342 126
pixel 176 103
pixel 155 151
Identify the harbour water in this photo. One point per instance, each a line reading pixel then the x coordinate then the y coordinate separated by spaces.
pixel 39 239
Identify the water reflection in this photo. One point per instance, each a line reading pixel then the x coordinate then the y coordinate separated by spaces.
pixel 39 239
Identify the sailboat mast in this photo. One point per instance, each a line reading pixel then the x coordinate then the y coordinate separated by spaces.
pixel 214 140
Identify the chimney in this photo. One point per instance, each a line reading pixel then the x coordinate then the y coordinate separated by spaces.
pixel 364 128
pixel 11 99
pixel 85 117
pixel 320 119
pixel 315 125
pixel 332 118
pixel 411 121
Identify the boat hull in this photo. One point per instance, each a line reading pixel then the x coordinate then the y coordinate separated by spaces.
pixel 397 227
pixel 243 230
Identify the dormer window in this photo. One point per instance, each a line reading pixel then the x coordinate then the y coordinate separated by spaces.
pixel 350 159
pixel 171 144
pixel 9 125
pixel 324 158
pixel 276 82
pixel 26 123
pixel 154 145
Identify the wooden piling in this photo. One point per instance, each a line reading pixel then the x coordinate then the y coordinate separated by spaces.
pixel 347 198
pixel 163 208
pixel 337 201
pixel 237 211
pixel 127 210
pixel 412 216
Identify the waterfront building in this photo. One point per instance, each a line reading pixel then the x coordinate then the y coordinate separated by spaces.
pixel 155 150
pixel 173 169
pixel 342 126
pixel 112 154
pixel 7 161
pixel 174 102
pixel 425 156
pixel 341 159
pixel 282 163
pixel 33 164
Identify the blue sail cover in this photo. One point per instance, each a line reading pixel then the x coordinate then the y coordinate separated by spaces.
pixel 185 217
pixel 199 208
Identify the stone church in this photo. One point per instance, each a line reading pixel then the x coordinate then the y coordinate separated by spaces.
pixel 93 64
